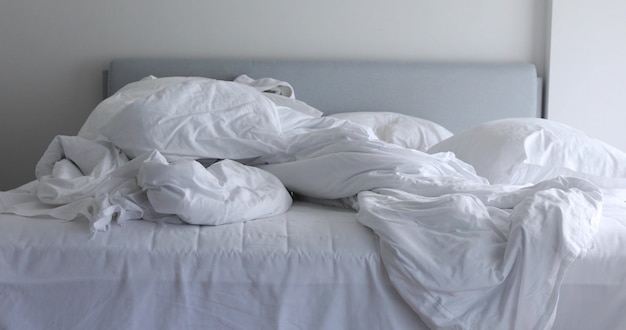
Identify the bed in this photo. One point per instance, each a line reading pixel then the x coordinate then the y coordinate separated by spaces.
pixel 503 243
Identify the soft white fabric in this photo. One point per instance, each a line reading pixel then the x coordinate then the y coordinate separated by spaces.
pixel 508 235
pixel 41 254
pixel 225 192
pixel 79 177
pixel 268 85
pixel 508 246
pixel 197 117
pixel 310 268
pixel 518 287
pixel 279 92
pixel 94 179
pixel 102 114
pixel 240 119
pixel 403 130
pixel 529 150
pixel 593 292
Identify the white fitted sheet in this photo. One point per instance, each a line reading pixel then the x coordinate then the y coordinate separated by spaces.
pixel 312 267
pixel 593 292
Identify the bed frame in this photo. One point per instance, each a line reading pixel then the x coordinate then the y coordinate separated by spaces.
pixel 455 95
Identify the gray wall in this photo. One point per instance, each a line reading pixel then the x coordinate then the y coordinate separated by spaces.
pixel 52 52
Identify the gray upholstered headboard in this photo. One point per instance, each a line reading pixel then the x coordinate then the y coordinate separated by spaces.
pixel 456 95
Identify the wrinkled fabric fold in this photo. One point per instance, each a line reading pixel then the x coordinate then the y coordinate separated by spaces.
pixel 449 255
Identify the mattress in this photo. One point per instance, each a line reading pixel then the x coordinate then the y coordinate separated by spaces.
pixel 312 267
pixel 267 273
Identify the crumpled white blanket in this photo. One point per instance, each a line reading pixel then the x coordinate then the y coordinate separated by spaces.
pixel 280 92
pixel 466 263
pixel 462 253
pixel 94 179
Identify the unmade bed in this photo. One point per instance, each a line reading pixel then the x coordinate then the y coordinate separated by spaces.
pixel 258 194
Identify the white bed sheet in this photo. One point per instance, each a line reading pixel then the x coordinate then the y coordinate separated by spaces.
pixel 593 292
pixel 313 267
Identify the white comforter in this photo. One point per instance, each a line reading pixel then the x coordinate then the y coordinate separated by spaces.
pixel 462 253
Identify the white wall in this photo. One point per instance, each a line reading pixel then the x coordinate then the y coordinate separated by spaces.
pixel 52 52
pixel 587 67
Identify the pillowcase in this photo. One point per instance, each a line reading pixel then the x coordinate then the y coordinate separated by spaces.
pixel 529 150
pixel 403 130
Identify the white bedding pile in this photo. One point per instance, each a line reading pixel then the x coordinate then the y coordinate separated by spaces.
pixel 462 253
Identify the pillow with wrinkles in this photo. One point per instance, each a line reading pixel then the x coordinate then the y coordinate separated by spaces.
pixel 530 150
pixel 400 129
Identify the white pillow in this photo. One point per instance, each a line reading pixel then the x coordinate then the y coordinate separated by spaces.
pixel 529 150
pixel 403 130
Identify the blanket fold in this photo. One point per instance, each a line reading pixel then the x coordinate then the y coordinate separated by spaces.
pixel 449 255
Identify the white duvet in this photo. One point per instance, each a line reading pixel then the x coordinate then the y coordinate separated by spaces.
pixel 461 252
